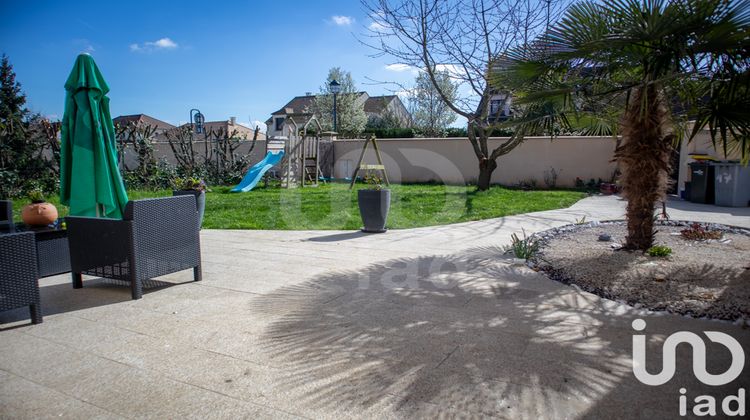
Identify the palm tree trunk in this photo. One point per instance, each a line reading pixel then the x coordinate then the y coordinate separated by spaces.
pixel 644 157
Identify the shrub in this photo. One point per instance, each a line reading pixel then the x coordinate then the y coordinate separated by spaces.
pixel 523 248
pixel 191 184
pixel 455 132
pixel 389 133
pixel 659 251
pixel 407 133
pixel 527 184
pixel 159 177
pixel 550 178
pixel 590 186
pixel 696 232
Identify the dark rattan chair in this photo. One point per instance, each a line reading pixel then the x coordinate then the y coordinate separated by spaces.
pixel 6 216
pixel 19 280
pixel 157 236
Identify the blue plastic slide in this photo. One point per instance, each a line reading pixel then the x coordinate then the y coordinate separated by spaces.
pixel 255 173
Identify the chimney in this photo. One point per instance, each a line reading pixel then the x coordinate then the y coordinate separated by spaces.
pixel 308 93
pixel 232 120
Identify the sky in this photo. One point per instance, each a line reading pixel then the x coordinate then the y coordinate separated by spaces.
pixel 226 58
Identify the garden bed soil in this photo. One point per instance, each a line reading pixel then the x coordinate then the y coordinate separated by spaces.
pixel 701 279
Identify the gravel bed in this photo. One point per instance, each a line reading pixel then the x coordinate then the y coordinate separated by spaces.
pixel 700 279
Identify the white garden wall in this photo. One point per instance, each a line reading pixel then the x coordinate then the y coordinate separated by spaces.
pixel 452 161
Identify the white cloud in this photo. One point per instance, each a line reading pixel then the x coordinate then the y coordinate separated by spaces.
pixel 455 72
pixel 159 44
pixel 401 68
pixel 378 23
pixel 376 26
pixel 451 68
pixel 163 43
pixel 342 20
pixel 398 67
pixel 84 44
pixel 260 124
pixel 405 94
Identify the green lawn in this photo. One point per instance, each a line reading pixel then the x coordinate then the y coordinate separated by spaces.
pixel 333 206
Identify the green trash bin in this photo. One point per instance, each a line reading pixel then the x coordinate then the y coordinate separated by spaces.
pixel 731 184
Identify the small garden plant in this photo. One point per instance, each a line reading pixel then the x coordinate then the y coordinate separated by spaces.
pixel 36 196
pixel 373 180
pixel 696 232
pixel 660 251
pixel 191 184
pixel 524 248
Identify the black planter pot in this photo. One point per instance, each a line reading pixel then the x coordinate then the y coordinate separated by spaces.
pixel 200 202
pixel 373 207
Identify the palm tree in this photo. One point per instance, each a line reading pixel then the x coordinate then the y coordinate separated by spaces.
pixel 660 64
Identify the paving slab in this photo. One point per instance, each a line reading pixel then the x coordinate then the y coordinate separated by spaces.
pixel 418 323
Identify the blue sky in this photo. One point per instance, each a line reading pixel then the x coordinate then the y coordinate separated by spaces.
pixel 243 58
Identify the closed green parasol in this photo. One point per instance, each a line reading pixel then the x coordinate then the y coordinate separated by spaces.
pixel 90 182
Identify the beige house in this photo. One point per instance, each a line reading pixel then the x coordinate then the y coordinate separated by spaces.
pixel 145 120
pixel 298 108
pixel 229 126
pixel 387 106
pixel 376 107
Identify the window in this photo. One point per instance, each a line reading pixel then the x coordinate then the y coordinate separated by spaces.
pixel 279 123
pixel 495 106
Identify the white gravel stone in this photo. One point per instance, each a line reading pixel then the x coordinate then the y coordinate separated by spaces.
pixel 700 279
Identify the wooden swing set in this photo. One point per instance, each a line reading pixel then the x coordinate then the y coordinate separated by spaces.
pixel 367 167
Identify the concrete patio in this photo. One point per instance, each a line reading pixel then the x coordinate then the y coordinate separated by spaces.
pixel 429 322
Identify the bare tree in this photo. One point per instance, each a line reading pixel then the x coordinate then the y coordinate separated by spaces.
pixel 140 137
pixel 219 160
pixel 230 165
pixel 43 133
pixel 469 39
pixel 181 142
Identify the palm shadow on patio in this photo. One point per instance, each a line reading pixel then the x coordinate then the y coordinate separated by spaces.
pixel 464 334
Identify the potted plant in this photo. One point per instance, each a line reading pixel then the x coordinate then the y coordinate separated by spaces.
pixel 39 212
pixel 374 203
pixel 196 187
pixel 607 188
pixel 611 187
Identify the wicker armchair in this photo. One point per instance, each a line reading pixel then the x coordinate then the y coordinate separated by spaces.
pixel 6 216
pixel 157 236
pixel 19 280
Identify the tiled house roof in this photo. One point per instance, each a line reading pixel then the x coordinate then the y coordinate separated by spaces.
pixel 298 105
pixel 378 104
pixel 143 119
pixel 375 107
